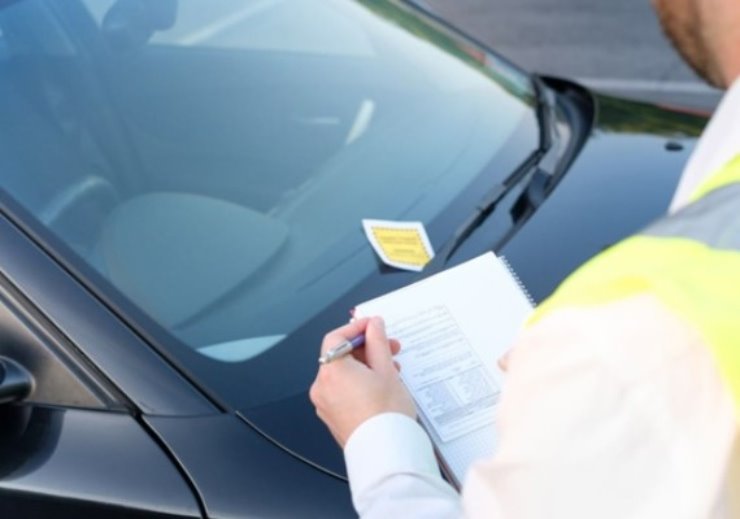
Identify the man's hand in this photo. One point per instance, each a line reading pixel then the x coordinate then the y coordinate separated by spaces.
pixel 352 389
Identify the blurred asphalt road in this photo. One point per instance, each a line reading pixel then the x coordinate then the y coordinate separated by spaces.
pixel 611 45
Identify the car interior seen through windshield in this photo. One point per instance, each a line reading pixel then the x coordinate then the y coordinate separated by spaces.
pixel 212 160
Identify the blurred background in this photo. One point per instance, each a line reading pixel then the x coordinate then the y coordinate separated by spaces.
pixel 614 46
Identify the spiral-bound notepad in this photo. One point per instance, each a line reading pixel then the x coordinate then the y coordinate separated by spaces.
pixel 453 327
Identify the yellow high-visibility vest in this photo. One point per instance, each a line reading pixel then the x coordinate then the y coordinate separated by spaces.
pixel 689 260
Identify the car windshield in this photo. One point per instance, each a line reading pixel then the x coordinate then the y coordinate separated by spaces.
pixel 204 165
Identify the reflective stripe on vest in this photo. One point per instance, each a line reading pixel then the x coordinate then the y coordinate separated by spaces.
pixel 690 261
pixel 730 174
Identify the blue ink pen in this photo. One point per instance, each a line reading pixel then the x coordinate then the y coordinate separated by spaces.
pixel 343 349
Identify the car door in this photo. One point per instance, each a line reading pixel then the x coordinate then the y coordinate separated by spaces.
pixel 72 443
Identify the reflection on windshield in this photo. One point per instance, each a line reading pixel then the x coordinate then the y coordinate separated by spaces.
pixel 242 349
pixel 216 170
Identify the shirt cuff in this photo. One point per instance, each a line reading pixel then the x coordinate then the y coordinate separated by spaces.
pixel 385 445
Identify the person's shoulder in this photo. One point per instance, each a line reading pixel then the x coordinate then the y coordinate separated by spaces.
pixel 628 337
pixel 632 355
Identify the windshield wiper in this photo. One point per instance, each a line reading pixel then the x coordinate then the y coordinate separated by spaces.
pixel 543 160
pixel 550 149
pixel 482 210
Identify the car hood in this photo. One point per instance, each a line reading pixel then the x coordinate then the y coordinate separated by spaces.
pixel 622 179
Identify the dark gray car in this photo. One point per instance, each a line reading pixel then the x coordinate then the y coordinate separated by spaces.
pixel 182 189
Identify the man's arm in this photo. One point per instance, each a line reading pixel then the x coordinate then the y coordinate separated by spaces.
pixel 390 461
pixel 393 471
pixel 598 418
pixel 612 411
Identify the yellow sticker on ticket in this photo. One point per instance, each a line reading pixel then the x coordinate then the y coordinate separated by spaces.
pixel 403 245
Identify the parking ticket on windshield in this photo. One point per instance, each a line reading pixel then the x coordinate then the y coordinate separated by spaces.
pixel 404 245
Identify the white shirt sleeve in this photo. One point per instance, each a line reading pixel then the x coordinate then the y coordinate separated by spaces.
pixel 392 470
pixel 612 411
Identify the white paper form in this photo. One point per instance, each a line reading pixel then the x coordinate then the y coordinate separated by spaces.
pixel 450 383
pixel 453 327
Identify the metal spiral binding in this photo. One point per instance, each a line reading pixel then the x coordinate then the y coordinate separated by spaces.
pixel 519 282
